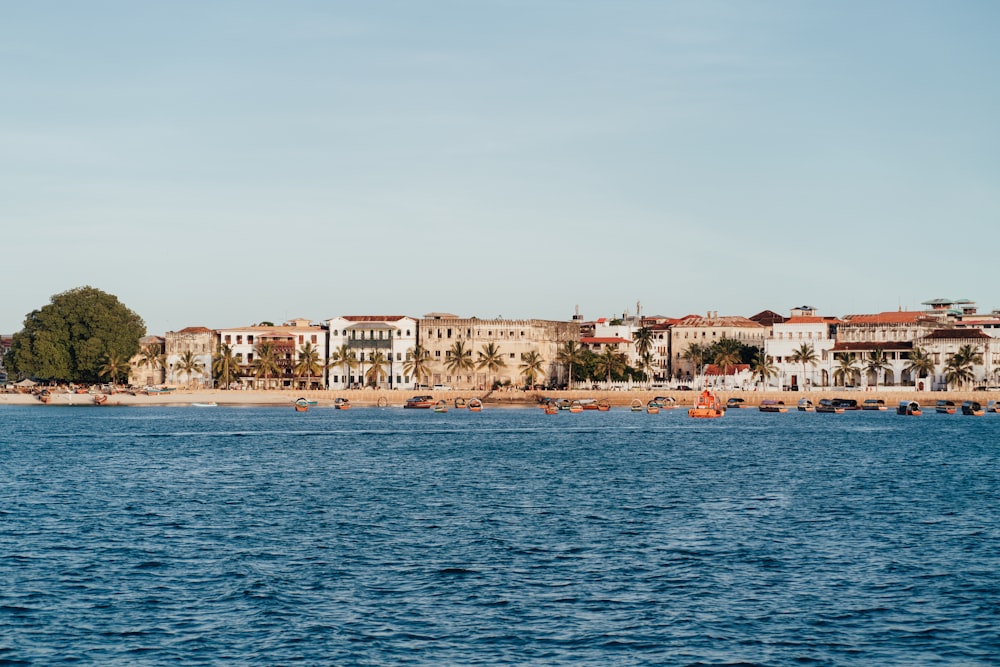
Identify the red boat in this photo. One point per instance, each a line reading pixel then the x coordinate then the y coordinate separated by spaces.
pixel 422 402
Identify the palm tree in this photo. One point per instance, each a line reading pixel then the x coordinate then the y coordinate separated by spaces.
pixel 149 355
pixel 877 363
pixel 762 366
pixel 532 365
pixel 265 364
pixel 344 357
pixel 847 368
pixel 696 355
pixel 459 360
pixel 308 363
pixel 569 354
pixel 805 354
pixel 727 354
pixel 417 364
pixel 112 367
pixel 920 363
pixel 225 366
pixel 643 339
pixel 376 371
pixel 491 359
pixel 959 368
pixel 610 362
pixel 189 365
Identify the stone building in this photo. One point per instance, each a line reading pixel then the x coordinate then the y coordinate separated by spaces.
pixel 146 370
pixel 705 331
pixel 200 343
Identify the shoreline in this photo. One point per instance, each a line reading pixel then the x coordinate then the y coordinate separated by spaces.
pixel 513 398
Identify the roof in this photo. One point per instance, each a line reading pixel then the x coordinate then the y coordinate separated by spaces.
pixel 724 321
pixel 810 319
pixel 370 325
pixel 890 317
pixel 767 317
pixel 604 341
pixel 864 346
pixel 957 334
pixel 371 318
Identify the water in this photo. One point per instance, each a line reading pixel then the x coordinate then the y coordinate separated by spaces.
pixel 261 536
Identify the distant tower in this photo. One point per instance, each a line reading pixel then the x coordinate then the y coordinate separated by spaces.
pixel 576 314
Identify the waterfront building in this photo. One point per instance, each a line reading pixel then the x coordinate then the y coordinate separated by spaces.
pixel 145 370
pixel 510 340
pixel 194 343
pixel 704 331
pixel 371 340
pixel 943 344
pixel 288 343
pixel 892 332
pixel 5 344
pixel 785 343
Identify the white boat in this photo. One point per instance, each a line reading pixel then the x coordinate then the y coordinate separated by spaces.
pixel 210 404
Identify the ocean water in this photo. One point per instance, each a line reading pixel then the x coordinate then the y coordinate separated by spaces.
pixel 261 536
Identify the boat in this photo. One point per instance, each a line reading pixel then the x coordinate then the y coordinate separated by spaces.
pixel 830 405
pixel 993 406
pixel 420 402
pixel 207 404
pixel 735 403
pixel 945 407
pixel 44 396
pixel 603 405
pixel 973 408
pixel 475 405
pixel 441 406
pixel 564 404
pixel 551 409
pixel 341 403
pixel 873 404
pixel 771 405
pixel 152 391
pixel 301 405
pixel 707 406
pixel 460 402
pixel 576 406
pixel 588 403
pixel 805 405
pixel 100 399
pixel 635 405
pixel 666 402
pixel 908 408
pixel 847 403
pixel 653 408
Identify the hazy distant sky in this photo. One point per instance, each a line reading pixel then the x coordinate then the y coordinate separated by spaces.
pixel 227 162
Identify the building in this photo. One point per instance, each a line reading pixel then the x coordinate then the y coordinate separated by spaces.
pixel 705 331
pixel 785 344
pixel 147 368
pixel 192 344
pixel 892 332
pixel 382 340
pixel 511 340
pixel 286 346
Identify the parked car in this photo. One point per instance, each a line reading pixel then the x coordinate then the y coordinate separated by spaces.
pixel 442 387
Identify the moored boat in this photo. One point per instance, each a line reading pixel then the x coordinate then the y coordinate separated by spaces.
pixel 735 403
pixel 805 405
pixel 707 406
pixel 910 408
pixel 576 406
pixel 993 406
pixel 441 406
pixel 419 402
pixel 100 399
pixel 341 403
pixel 204 404
pixel 301 405
pixel 771 405
pixel 873 404
pixel 636 405
pixel 653 407
pixel 945 407
pixel 830 405
pixel 603 405
pixel 973 408
pixel 460 402
pixel 475 405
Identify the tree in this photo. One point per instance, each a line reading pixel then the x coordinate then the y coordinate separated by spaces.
pixel 846 369
pixel 532 365
pixel 762 366
pixel 189 365
pixel 921 363
pixel 877 363
pixel 70 338
pixel 150 356
pixel 492 360
pixel 113 367
pixel 459 360
pixel 418 362
pixel 611 362
pixel 804 354
pixel 696 355
pixel 959 367
pixel 376 370
pixel 265 364
pixel 726 353
pixel 308 364
pixel 225 366
pixel 344 357
pixel 570 354
pixel 643 339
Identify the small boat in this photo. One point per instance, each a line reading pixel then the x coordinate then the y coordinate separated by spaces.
pixel 100 399
pixel 636 405
pixel 830 405
pixel 666 402
pixel 564 404
pixel 208 404
pixel 441 406
pixel 341 403
pixel 873 404
pixel 460 402
pixel 847 403
pixel 603 405
pixel 44 396
pixel 707 406
pixel 551 409
pixel 993 406
pixel 908 408
pixel 735 403
pixel 973 408
pixel 301 405
pixel 653 407
pixel 576 406
pixel 419 402
pixel 771 405
pixel 805 405
pixel 475 405
pixel 945 407
pixel 588 403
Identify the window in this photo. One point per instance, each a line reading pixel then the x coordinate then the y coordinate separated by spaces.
pixel 250 340
pixel 228 339
pixel 511 355
pixel 437 353
pixel 239 340
pixel 313 339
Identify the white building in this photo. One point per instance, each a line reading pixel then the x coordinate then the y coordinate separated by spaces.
pixel 818 334
pixel 288 342
pixel 366 337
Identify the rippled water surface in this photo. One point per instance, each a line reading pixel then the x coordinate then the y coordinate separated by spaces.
pixel 132 536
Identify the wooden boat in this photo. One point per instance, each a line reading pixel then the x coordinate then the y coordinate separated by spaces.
pixel 735 403
pixel 603 405
pixel 576 406
pixel 44 396
pixel 909 408
pixel 475 405
pixel 441 406
pixel 652 408
pixel 830 405
pixel 973 408
pixel 208 404
pixel 993 406
pixel 707 406
pixel 873 404
pixel 805 405
pixel 588 403
pixel 341 403
pixel 419 402
pixel 945 407
pixel 460 402
pixel 666 402
pixel 551 409
pixel 771 405
pixel 100 399
pixel 635 405
pixel 301 405
pixel 847 403
pixel 564 404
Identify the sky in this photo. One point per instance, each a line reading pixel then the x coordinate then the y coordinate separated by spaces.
pixel 224 163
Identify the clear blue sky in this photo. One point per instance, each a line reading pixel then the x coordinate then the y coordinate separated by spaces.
pixel 222 163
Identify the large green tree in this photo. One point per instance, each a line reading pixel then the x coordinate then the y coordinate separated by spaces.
pixel 71 338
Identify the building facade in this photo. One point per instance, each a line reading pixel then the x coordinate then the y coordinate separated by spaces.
pixel 286 345
pixel 194 344
pixel 372 348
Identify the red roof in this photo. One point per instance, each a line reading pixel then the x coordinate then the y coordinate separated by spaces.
pixel 811 319
pixel 373 318
pixel 957 334
pixel 604 341
pixel 891 317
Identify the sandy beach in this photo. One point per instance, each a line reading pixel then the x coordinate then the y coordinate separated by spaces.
pixel 513 398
